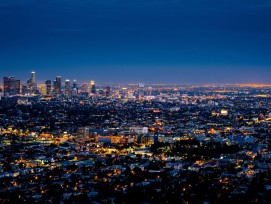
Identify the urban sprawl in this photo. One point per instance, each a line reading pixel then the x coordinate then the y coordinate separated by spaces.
pixel 64 142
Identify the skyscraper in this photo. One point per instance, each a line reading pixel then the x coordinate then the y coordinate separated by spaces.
pixel 43 89
pixel 140 90
pixel 84 87
pixel 149 91
pixel 33 77
pixel 32 83
pixel 123 92
pixel 25 90
pixel 11 86
pixel 92 87
pixel 57 85
pixel 74 90
pixel 48 84
pixel 74 84
pixel 67 87
pixel 17 86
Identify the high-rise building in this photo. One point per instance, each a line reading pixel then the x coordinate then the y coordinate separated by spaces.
pixel 140 90
pixel 74 84
pixel 67 87
pixel 33 77
pixel 74 90
pixel 57 85
pixel 84 87
pixel 43 89
pixel 123 92
pixel 149 91
pixel 8 85
pixel 18 86
pixel 92 87
pixel 11 86
pixel 32 83
pixel 25 90
pixel 130 94
pixel 48 84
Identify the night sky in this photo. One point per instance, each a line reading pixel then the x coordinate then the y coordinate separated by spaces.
pixel 130 41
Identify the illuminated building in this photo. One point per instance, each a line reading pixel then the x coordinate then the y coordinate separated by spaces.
pixel 74 91
pixel 74 84
pixel 43 89
pixel 141 85
pixel 124 93
pixel 33 77
pixel 110 139
pixel 140 90
pixel 48 84
pixel 32 83
pixel 83 132
pixel 149 91
pixel 25 90
pixel 224 112
pixel 11 86
pixel 57 85
pixel 84 87
pixel 130 94
pixel 67 87
pixel 92 87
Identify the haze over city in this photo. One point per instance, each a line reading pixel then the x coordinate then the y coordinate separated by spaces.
pixel 183 42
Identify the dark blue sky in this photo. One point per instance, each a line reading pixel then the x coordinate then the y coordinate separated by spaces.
pixel 167 41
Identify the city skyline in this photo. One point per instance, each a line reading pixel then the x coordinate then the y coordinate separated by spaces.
pixel 135 101
pixel 137 41
pixel 81 80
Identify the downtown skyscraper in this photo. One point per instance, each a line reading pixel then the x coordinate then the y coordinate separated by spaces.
pixel 12 86
pixel 67 87
pixel 57 85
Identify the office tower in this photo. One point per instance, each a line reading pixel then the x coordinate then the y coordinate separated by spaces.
pixel 90 84
pixel 84 87
pixel 84 90
pixel 74 84
pixel 83 132
pixel 11 86
pixel 32 83
pixel 123 93
pixel 8 85
pixel 67 87
pixel 74 91
pixel 48 84
pixel 43 89
pixel 18 86
pixel 57 85
pixel 130 94
pixel 108 91
pixel 140 90
pixel 93 87
pixel 141 86
pixel 33 78
pixel 29 86
pixel 149 90
pixel 25 90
